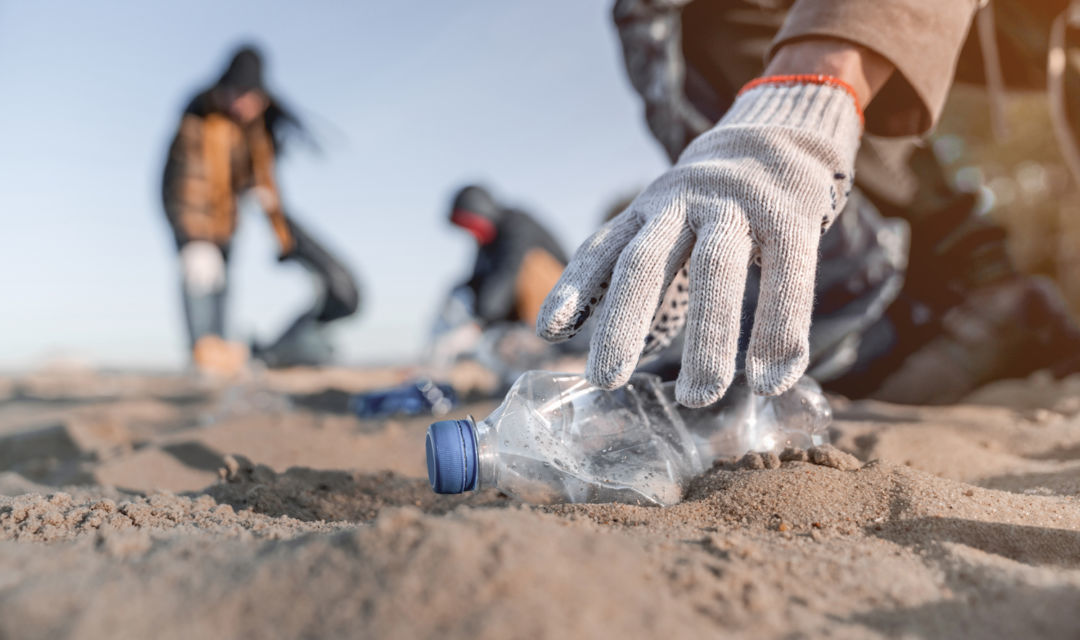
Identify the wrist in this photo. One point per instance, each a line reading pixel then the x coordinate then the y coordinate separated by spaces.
pixel 838 87
pixel 818 114
pixel 822 104
pixel 864 71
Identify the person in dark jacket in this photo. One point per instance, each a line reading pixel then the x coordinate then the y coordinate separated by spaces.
pixel 517 260
pixel 226 146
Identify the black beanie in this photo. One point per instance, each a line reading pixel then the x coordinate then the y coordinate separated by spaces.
pixel 244 72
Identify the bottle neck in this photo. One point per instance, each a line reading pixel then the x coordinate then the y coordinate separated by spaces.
pixel 487 469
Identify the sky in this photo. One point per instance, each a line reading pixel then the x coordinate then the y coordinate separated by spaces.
pixel 409 99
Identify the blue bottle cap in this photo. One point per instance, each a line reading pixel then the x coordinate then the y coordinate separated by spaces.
pixel 451 456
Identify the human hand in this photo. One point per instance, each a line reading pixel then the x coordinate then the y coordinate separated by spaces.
pixel 762 185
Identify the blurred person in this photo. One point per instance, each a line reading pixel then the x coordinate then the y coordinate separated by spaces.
pixel 489 320
pixel 228 140
pixel 766 110
pixel 517 259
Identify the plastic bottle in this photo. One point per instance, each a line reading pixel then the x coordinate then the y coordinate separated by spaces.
pixel 557 438
pixel 413 398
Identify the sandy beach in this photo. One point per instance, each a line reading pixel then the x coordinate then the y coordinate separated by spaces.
pixel 136 505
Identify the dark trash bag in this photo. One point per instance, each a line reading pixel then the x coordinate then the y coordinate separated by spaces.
pixel 304 343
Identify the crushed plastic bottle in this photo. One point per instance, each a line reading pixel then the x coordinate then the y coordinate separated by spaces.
pixel 557 438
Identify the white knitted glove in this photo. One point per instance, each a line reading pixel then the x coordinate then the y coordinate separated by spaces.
pixel 762 185
pixel 202 267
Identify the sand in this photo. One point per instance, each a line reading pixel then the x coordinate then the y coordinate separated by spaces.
pixel 136 506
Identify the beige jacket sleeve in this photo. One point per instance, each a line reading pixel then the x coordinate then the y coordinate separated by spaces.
pixel 922 38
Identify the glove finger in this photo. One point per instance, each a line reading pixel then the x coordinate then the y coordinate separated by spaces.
pixel 584 281
pixel 648 263
pixel 780 342
pixel 670 316
pixel 718 270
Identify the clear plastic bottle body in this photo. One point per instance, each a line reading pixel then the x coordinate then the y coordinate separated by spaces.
pixel 557 438
pixel 742 422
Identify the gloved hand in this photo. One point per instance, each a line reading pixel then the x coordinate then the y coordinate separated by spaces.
pixel 762 185
pixel 202 267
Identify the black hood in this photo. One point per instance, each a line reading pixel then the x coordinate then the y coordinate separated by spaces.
pixel 245 73
pixel 477 200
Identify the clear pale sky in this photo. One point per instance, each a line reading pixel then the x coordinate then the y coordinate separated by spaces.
pixel 409 98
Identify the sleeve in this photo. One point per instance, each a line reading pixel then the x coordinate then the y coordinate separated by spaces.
pixel 262 160
pixel 184 187
pixel 922 38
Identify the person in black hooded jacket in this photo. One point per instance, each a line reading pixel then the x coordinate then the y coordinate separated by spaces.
pixel 517 260
pixel 226 146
